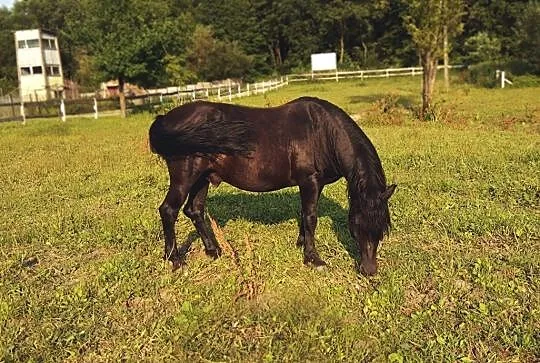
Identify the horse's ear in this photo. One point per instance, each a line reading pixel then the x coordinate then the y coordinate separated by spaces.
pixel 388 192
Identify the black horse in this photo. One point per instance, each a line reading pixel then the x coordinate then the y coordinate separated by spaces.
pixel 307 142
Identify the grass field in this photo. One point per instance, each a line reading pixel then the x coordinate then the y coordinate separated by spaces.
pixel 81 275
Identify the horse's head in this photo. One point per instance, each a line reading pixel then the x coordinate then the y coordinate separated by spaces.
pixel 369 221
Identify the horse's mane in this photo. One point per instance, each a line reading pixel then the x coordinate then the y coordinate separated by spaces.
pixel 365 180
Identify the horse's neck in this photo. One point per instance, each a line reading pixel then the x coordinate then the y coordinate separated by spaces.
pixel 366 177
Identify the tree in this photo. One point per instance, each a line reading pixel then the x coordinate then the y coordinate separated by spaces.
pixel 343 16
pixel 481 48
pixel 426 22
pixel 391 44
pixel 497 18
pixel 290 29
pixel 8 68
pixel 235 21
pixel 528 34
pixel 212 59
pixel 128 39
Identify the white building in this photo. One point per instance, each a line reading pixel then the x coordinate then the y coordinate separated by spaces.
pixel 38 65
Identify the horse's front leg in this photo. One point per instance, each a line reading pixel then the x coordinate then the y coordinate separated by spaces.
pixel 310 192
pixel 301 240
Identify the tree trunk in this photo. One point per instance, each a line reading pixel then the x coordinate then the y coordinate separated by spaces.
pixel 272 55
pixel 365 53
pixel 277 52
pixel 445 53
pixel 342 43
pixel 429 66
pixel 122 97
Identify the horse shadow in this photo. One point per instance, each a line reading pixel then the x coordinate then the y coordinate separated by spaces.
pixel 278 207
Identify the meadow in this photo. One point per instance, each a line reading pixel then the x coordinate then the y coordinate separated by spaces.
pixel 82 279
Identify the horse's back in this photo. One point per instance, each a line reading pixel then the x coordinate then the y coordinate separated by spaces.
pixel 289 142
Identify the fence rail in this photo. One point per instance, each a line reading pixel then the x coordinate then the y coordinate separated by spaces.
pixel 12 109
pixel 220 92
pixel 368 73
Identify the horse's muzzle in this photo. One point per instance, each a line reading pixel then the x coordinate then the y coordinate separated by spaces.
pixel 368 265
pixel 368 268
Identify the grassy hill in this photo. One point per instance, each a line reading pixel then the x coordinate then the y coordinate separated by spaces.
pixel 81 275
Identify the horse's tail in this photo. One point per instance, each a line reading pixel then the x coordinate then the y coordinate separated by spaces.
pixel 215 135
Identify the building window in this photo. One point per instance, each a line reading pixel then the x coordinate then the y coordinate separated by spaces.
pixel 48 44
pixel 21 44
pixel 33 43
pixel 37 70
pixel 53 70
pixel 25 71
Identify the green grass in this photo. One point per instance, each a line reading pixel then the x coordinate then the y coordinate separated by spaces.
pixel 81 275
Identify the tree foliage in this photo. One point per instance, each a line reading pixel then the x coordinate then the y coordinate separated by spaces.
pixel 481 48
pixel 528 35
pixel 212 59
pixel 161 42
pixel 429 22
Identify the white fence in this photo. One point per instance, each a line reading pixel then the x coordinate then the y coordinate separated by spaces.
pixel 12 109
pixel 368 73
pixel 225 91
pixel 220 92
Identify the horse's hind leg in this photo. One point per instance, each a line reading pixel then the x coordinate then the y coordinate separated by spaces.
pixel 182 176
pixel 310 192
pixel 169 213
pixel 194 210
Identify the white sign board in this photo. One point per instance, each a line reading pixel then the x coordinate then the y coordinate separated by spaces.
pixel 323 62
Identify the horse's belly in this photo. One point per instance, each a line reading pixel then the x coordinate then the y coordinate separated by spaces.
pixel 255 182
pixel 253 175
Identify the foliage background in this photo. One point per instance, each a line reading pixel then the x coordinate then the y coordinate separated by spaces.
pixel 249 39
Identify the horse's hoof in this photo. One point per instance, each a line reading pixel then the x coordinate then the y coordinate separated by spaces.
pixel 214 253
pixel 176 264
pixel 315 261
pixel 319 264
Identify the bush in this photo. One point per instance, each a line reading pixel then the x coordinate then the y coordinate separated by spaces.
pixel 526 81
pixel 388 110
pixel 483 74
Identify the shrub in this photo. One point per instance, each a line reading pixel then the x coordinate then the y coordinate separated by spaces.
pixel 483 74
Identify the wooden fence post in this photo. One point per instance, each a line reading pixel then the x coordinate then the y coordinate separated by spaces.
pixel 95 109
pixel 12 105
pixel 23 114
pixel 63 110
